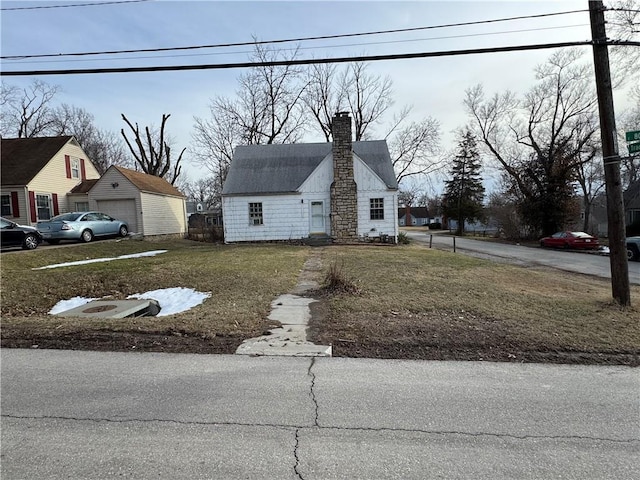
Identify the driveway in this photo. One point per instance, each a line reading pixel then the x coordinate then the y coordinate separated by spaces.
pixel 571 261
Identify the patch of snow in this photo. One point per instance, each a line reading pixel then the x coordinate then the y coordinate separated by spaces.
pixel 604 250
pixel 174 300
pixel 171 300
pixel 106 259
pixel 64 305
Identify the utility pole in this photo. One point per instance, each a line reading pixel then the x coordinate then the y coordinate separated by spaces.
pixel 611 157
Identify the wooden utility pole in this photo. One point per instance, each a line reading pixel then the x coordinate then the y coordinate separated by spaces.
pixel 613 183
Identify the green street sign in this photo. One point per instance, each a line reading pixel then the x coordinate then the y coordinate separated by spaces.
pixel 634 147
pixel 632 136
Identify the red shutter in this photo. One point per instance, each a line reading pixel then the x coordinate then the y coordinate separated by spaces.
pixel 15 204
pixel 54 197
pixel 32 207
pixel 83 172
pixel 67 165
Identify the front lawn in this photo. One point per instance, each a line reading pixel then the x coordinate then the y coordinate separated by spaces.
pixel 410 302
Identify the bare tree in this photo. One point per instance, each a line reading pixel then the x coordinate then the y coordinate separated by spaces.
pixel 202 191
pixel 27 112
pixel 623 18
pixel 415 148
pixel 153 153
pixel 540 141
pixel 368 97
pixel 323 97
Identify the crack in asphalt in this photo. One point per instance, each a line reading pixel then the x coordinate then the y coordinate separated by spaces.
pixel 295 455
pixel 299 428
pixel 312 392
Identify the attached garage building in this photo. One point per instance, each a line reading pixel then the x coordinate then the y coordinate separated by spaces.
pixel 149 204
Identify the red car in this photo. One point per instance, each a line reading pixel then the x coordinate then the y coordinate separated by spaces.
pixel 577 240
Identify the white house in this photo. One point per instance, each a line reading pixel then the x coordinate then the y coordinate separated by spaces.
pixel 150 205
pixel 344 190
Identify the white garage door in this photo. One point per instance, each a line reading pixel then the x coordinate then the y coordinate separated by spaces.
pixel 124 210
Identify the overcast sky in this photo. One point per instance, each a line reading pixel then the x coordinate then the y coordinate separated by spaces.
pixel 433 86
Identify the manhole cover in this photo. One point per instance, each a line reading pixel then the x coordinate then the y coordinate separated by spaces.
pixel 100 308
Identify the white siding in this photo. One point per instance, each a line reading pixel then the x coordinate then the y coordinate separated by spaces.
pixel 288 217
pixel 285 217
pixel 163 214
pixel 103 190
pixel 370 186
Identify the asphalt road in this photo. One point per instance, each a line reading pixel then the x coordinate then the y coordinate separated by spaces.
pixel 72 414
pixel 571 261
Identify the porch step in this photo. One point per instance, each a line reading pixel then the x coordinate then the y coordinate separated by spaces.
pixel 317 240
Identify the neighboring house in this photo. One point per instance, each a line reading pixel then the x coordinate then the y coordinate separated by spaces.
pixel 150 205
pixel 417 216
pixel 209 218
pixel 344 190
pixel 632 204
pixel 38 176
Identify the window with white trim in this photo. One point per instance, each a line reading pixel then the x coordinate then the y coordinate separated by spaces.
pixel 6 205
pixel 255 214
pixel 376 208
pixel 43 205
pixel 75 167
pixel 82 206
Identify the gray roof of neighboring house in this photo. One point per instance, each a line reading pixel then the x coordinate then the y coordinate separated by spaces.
pixel 269 169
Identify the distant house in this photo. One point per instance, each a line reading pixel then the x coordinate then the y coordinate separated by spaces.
pixel 413 216
pixel 149 204
pixel 39 175
pixel 342 190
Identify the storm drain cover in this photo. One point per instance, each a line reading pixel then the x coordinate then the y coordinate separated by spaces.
pixel 114 309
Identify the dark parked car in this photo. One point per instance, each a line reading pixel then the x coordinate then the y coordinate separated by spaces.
pixel 578 240
pixel 633 248
pixel 14 235
pixel 83 226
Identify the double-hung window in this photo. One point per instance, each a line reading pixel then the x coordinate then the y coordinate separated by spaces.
pixel 376 208
pixel 6 205
pixel 43 205
pixel 255 214
pixel 75 168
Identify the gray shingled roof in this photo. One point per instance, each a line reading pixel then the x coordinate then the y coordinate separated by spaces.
pixel 269 169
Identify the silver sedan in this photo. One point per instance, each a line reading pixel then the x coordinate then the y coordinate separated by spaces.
pixel 82 226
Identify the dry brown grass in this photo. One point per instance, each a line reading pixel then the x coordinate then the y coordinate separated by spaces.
pixel 413 302
pixel 426 303
pixel 243 280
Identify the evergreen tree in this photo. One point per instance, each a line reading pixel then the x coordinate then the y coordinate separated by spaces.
pixel 464 193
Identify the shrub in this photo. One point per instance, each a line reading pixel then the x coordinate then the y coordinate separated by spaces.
pixel 403 238
pixel 337 282
pixel 435 226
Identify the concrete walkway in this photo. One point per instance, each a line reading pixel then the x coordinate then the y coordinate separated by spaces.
pixel 293 312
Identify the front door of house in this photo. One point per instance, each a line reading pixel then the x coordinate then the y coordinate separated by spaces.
pixel 317 217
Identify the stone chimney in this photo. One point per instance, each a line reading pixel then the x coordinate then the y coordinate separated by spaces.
pixel 344 192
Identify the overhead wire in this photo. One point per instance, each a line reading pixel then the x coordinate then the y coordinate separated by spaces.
pixel 93 4
pixel 291 40
pixel 308 61
pixel 388 42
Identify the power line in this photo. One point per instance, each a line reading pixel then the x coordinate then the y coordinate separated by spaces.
pixel 289 40
pixel 448 37
pixel 309 61
pixel 74 5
